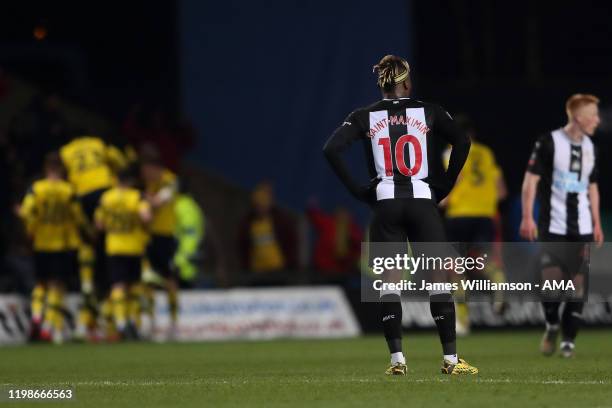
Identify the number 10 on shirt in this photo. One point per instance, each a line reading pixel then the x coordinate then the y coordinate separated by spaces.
pixel 400 147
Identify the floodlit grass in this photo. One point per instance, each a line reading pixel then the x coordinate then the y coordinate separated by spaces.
pixel 317 373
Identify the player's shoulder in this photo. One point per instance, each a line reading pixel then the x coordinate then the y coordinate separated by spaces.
pixel 82 141
pixel 37 186
pixel 433 111
pixel 372 107
pixel 135 194
pixel 129 195
pixel 41 187
pixel 357 116
pixel 544 141
pixel 481 148
pixel 168 177
pixel 486 155
pixel 109 195
pixel 65 187
pixel 95 141
pixel 117 195
pixel 168 174
pixel 588 142
pixel 422 103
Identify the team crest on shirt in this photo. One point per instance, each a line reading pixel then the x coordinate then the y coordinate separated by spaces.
pixel 568 181
pixel 576 166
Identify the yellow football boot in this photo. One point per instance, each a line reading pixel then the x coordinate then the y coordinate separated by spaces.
pixel 397 369
pixel 462 367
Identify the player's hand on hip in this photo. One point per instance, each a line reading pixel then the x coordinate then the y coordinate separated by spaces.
pixel 367 193
pixel 528 229
pixel 598 235
pixel 442 190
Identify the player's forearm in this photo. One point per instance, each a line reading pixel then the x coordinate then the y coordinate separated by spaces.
pixel 594 199
pixel 334 157
pixel 458 156
pixel 528 195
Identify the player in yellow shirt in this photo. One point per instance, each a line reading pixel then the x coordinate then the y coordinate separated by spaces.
pixel 53 217
pixel 92 165
pixel 161 191
pixel 478 190
pixel 122 215
pixel 471 210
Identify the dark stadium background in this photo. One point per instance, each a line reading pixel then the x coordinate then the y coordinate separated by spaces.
pixel 265 84
pixel 243 92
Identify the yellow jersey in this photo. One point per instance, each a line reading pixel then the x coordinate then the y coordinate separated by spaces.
pixel 266 254
pixel 52 216
pixel 91 163
pixel 475 193
pixel 164 217
pixel 119 215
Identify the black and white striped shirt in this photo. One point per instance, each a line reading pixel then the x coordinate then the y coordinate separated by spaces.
pixel 403 139
pixel 566 169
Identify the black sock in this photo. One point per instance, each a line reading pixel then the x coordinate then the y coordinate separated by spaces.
pixel 391 317
pixel 443 312
pixel 551 312
pixel 571 320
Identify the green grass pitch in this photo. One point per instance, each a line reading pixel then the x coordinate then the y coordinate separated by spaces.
pixel 320 373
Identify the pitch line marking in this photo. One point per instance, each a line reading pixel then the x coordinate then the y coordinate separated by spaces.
pixel 146 383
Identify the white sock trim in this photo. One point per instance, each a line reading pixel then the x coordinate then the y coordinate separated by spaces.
pixel 451 358
pixel 384 292
pixel 398 358
pixel 552 327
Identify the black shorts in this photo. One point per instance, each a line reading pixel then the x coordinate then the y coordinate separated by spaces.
pixel 90 201
pixel 470 229
pixel 570 253
pixel 61 265
pixel 102 279
pixel 403 219
pixel 160 253
pixel 473 235
pixel 407 223
pixel 123 268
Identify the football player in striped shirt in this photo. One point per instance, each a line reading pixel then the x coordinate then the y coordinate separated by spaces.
pixel 562 174
pixel 403 139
